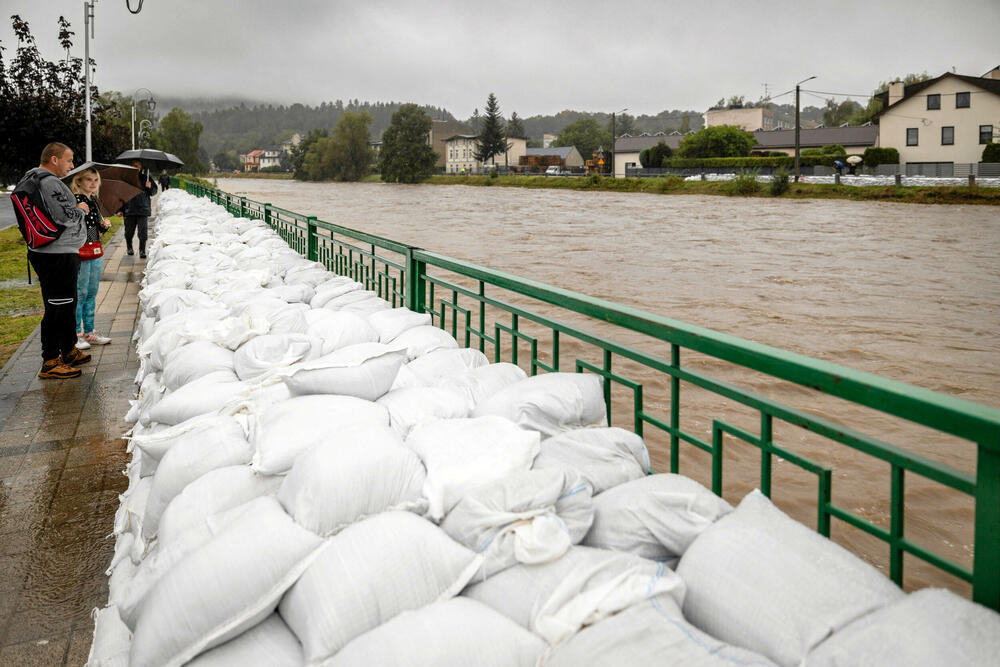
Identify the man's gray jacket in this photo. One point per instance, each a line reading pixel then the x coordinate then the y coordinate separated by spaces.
pixel 61 203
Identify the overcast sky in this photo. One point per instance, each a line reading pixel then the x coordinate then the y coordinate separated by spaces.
pixel 538 57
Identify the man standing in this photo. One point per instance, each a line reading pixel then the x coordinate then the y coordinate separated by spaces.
pixel 137 211
pixel 164 180
pixel 57 265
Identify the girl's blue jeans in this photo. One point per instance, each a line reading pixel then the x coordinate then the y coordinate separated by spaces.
pixel 87 284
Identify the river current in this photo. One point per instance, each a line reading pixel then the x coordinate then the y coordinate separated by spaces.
pixel 908 292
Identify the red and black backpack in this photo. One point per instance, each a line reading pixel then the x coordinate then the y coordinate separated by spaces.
pixel 33 216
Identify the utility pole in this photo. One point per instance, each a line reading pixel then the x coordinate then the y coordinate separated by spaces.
pixel 88 32
pixel 613 139
pixel 797 124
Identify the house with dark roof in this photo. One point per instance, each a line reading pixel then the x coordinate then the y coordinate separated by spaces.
pixel 854 138
pixel 627 148
pixel 946 120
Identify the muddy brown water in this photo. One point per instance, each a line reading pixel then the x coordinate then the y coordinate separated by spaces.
pixel 908 292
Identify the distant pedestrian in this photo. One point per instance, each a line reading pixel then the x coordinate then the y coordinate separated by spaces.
pixel 164 180
pixel 85 186
pixel 137 211
pixel 57 264
pixel 839 166
pixel 852 168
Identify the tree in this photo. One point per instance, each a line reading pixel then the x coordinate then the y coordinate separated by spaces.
pixel 406 157
pixel 299 152
pixel 653 157
pixel 874 156
pixel 226 161
pixel 718 141
pixel 179 135
pixel 475 120
pixel 991 153
pixel 515 128
pixel 586 134
pixel 835 115
pixel 491 140
pixel 349 157
pixel 624 124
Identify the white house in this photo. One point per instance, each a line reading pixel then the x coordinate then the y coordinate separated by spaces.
pixel 271 157
pixel 947 120
pixel 460 154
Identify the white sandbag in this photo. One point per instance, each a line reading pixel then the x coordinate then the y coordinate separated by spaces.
pixel 531 516
pixel 294 293
pixel 604 456
pixel 128 519
pixel 285 430
pixel 194 360
pixel 216 491
pixel 556 599
pixel 550 403
pixel 650 633
pixel 365 371
pixel 185 462
pixel 456 633
pixel 338 329
pixel 289 320
pixel 229 585
pixel 462 454
pixel 415 405
pixel 478 384
pixel 362 471
pixel 112 640
pixel 809 589
pixel 366 307
pixel 418 341
pixel 155 444
pixel 368 574
pixel 206 394
pixel 263 354
pixel 151 391
pixel 656 517
pixel 926 628
pixel 426 370
pixel 268 643
pixel 390 323
pixel 347 298
pixel 123 548
pixel 326 293
pixel 171 302
pixel 120 579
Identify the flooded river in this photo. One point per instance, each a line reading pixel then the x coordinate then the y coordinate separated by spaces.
pixel 909 292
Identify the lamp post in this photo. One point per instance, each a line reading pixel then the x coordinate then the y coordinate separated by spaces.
pixel 88 32
pixel 797 169
pixel 150 102
pixel 145 125
pixel 614 139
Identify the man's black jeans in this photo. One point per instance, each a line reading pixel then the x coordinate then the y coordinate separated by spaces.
pixel 57 273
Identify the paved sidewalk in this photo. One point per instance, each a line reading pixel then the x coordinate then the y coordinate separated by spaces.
pixel 61 463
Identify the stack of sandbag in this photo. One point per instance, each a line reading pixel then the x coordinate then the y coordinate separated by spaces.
pixel 320 478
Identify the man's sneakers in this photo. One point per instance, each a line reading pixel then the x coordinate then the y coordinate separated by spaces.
pixel 55 369
pixel 75 358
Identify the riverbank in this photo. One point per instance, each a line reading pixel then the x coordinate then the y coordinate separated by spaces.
pixel 21 303
pixel 676 185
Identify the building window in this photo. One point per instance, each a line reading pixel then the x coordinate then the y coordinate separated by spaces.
pixel 985 134
pixel 911 136
pixel 962 100
pixel 933 101
pixel 947 135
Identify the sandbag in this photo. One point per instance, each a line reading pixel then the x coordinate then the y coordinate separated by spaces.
pixel 155 444
pixel 480 383
pixel 809 589
pixel 426 370
pixel 327 292
pixel 282 431
pixel 362 471
pixel 366 307
pixel 229 585
pixel 418 341
pixel 656 517
pixel 206 394
pixel 365 371
pixel 368 574
pixel 194 360
pixel 927 628
pixel 294 293
pixel 268 643
pixel 112 640
pixel 338 329
pixel 428 636
pixel 650 633
pixel 390 323
pixel 604 456
pixel 462 454
pixel 530 516
pixel 289 320
pixel 215 491
pixel 349 297
pixel 263 354
pixel 556 599
pixel 409 407
pixel 550 403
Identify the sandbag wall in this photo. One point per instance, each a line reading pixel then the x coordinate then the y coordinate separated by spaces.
pixel 320 478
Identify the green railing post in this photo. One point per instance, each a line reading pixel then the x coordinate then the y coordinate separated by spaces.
pixel 267 214
pixel 416 289
pixel 986 561
pixel 312 243
pixel 243 207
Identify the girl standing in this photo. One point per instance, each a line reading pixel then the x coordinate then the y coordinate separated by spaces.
pixel 85 186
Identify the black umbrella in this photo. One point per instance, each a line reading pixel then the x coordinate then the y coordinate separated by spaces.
pixel 119 183
pixel 151 159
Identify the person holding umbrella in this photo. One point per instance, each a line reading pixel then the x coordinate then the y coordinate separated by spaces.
pixel 137 211
pixel 85 186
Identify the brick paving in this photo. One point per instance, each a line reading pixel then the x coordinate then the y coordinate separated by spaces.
pixel 61 463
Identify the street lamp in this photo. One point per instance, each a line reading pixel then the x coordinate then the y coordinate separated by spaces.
pixel 614 139
pixel 145 126
pixel 797 170
pixel 88 32
pixel 151 103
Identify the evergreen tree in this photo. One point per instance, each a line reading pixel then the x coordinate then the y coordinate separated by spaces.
pixel 515 128
pixel 491 140
pixel 475 120
pixel 406 157
pixel 179 135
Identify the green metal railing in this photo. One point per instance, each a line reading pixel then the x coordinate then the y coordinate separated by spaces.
pixel 485 308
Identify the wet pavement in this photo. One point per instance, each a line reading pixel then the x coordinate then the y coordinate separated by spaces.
pixel 61 463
